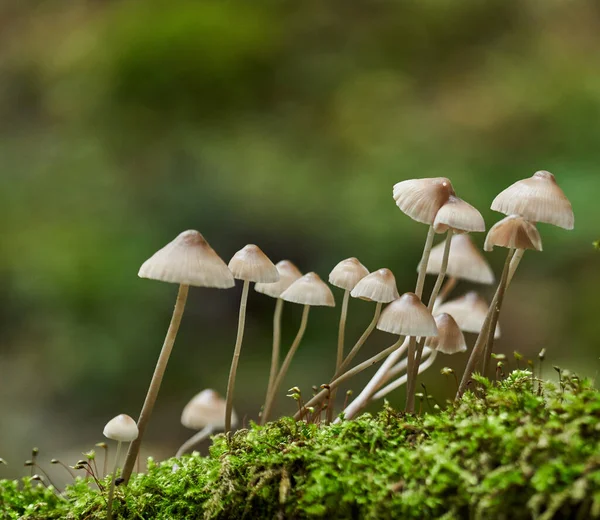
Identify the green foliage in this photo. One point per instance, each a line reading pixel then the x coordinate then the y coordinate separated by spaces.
pixel 506 450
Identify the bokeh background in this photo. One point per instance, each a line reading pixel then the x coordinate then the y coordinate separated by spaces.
pixel 283 124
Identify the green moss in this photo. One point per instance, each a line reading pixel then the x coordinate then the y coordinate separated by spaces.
pixel 502 452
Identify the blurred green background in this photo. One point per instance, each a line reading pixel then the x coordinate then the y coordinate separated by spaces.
pixel 283 124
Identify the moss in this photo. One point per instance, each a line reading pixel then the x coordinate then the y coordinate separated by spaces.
pixel 504 451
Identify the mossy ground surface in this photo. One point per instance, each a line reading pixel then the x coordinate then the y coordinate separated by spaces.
pixel 505 451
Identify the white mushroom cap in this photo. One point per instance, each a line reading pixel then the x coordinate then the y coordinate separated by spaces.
pixel 450 339
pixel 206 409
pixel 309 290
pixel 421 199
pixel 513 232
pixel 538 199
pixel 288 274
pixel 121 428
pixel 250 263
pixel 188 260
pixel 458 215
pixel 379 286
pixel 347 274
pixel 407 316
pixel 469 311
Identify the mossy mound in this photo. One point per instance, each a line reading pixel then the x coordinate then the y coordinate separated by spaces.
pixel 507 450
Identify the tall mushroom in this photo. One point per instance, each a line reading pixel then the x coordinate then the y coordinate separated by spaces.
pixel 249 264
pixel 187 260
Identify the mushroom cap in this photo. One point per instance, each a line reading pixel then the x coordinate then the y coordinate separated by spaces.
pixel 538 199
pixel 469 312
pixel 206 409
pixel 379 286
pixel 309 290
pixel 421 199
pixel 288 274
pixel 347 274
pixel 465 261
pixel 450 339
pixel 407 316
pixel 513 232
pixel 251 264
pixel 188 260
pixel 458 215
pixel 121 428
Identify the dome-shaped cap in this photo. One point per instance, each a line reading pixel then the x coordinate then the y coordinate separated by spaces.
pixel 188 260
pixel 121 428
pixel 347 274
pixel 206 409
pixel 469 312
pixel 288 274
pixel 450 339
pixel 309 290
pixel 407 316
pixel 458 215
pixel 513 232
pixel 421 199
pixel 379 286
pixel 538 199
pixel 464 262
pixel 251 264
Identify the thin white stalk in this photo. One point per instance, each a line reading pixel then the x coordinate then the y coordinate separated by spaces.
pixel 340 350
pixel 197 438
pixel 276 345
pixel 112 483
pixel 428 357
pixel 424 262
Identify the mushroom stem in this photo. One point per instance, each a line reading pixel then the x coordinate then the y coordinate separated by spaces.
pixel 285 365
pixel 430 358
pixel 236 356
pixel 410 390
pixel 112 483
pixel 424 262
pixel 276 344
pixel 448 287
pixel 514 263
pixel 195 439
pixel 157 377
pixel 340 350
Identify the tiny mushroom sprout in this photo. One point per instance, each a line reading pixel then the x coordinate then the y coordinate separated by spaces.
pixel 309 291
pixel 205 413
pixel 249 264
pixel 121 428
pixel 187 260
pixel 288 274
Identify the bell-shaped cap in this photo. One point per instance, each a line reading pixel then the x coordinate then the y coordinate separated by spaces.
pixel 450 339
pixel 421 199
pixel 469 312
pixel 513 232
pixel 407 316
pixel 251 264
pixel 379 286
pixel 188 260
pixel 121 428
pixel 206 409
pixel 538 199
pixel 288 274
pixel 347 274
pixel 458 215
pixel 309 290
pixel 464 261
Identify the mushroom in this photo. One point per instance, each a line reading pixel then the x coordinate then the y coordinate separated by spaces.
pixel 249 264
pixel 121 428
pixel 187 260
pixel 205 413
pixel 309 291
pixel 469 311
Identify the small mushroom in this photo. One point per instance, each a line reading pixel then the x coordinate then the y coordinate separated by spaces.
pixel 469 312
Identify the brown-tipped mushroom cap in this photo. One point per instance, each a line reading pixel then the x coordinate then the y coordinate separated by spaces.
pixel 206 409
pixel 309 290
pixel 379 286
pixel 188 260
pixel 464 262
pixel 459 216
pixel 407 316
pixel 538 199
pixel 121 428
pixel 513 232
pixel 347 274
pixel 288 274
pixel 421 199
pixel 251 264
pixel 469 312
pixel 450 339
